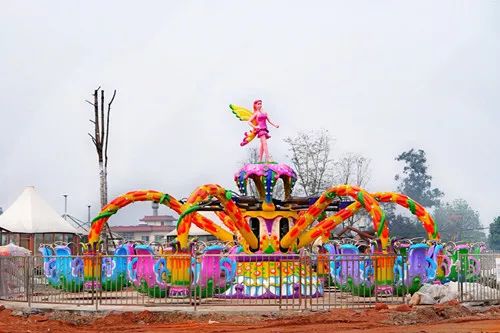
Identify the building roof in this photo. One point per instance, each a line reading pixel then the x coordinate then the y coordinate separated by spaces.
pixel 31 214
pixel 142 228
pixel 158 218
pixel 170 229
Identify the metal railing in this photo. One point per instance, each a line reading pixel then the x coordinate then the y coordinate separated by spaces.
pixel 154 280
pixel 283 281
pixel 59 280
pixel 14 278
pixel 357 281
pixel 279 280
pixel 479 277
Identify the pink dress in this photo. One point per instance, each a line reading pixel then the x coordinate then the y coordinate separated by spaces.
pixel 262 125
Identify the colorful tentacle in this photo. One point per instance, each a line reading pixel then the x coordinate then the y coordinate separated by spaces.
pixel 328 224
pixel 415 208
pixel 150 195
pixel 368 202
pixel 230 208
pixel 226 219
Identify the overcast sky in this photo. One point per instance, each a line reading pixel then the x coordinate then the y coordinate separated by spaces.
pixel 381 76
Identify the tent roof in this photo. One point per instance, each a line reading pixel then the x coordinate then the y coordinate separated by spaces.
pixel 31 214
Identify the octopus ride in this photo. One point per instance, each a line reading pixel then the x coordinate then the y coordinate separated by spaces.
pixel 263 241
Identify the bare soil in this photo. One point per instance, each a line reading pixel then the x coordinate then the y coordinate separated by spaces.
pixel 451 317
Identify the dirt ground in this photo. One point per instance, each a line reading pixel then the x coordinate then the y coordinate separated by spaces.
pixel 451 317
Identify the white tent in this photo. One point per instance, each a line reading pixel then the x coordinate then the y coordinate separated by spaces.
pixel 31 214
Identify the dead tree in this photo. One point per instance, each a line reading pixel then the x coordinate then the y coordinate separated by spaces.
pixel 310 155
pixel 100 140
pixel 354 169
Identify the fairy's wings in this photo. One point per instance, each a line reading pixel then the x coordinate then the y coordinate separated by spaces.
pixel 240 112
pixel 245 115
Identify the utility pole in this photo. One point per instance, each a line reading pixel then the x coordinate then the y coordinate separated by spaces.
pixel 65 205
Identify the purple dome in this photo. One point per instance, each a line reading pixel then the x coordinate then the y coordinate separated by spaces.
pixel 265 177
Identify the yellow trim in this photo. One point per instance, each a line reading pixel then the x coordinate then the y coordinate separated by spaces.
pixel 268 207
pixel 270 215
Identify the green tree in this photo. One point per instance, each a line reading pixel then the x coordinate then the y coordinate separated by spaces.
pixel 457 221
pixel 494 238
pixel 402 226
pixel 416 183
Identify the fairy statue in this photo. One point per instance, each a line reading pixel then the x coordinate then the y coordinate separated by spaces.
pixel 258 120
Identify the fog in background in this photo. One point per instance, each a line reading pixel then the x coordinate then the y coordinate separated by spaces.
pixel 382 77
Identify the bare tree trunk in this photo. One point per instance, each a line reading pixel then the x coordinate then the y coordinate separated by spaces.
pixel 100 140
pixel 103 184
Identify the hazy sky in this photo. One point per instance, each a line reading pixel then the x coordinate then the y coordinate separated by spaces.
pixel 381 76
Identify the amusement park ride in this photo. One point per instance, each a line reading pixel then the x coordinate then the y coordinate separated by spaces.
pixel 256 256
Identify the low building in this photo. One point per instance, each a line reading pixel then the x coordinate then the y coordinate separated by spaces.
pixel 143 232
pixel 151 228
pixel 156 228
